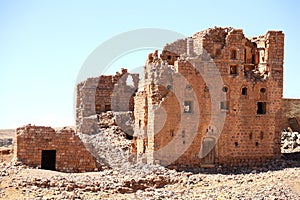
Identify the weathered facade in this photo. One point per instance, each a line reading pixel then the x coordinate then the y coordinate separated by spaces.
pixel 101 94
pixel 213 98
pixel 43 147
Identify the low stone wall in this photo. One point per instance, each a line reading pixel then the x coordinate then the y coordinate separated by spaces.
pixel 71 154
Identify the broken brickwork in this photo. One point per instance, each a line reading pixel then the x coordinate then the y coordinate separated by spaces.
pixel 101 94
pixel 185 117
pixel 291 114
pixel 43 147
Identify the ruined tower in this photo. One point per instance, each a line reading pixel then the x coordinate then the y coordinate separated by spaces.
pixel 213 98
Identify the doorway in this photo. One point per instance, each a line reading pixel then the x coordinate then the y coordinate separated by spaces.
pixel 48 159
pixel 208 152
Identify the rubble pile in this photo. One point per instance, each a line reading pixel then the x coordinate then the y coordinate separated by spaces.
pixel 111 145
pixel 290 142
pixel 6 142
pixel 150 182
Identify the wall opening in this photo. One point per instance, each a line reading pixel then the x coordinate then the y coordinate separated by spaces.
pixel 224 105
pixel 187 107
pixel 233 70
pixel 208 151
pixel 189 87
pixel 225 89
pixel 263 90
pixel 98 108
pixel 171 133
pixel 129 136
pixel 236 144
pixel 48 159
pixel 261 108
pixel 129 81
pixel 107 108
pixel 244 91
pixel 233 54
pixel 261 135
pixel 206 88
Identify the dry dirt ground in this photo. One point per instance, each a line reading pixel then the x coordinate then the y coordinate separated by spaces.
pixel 19 182
pixel 276 180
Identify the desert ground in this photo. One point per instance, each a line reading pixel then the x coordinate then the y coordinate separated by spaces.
pixel 279 179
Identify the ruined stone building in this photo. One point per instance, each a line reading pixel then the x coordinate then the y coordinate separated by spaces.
pixel 213 98
pixel 101 94
pixel 63 150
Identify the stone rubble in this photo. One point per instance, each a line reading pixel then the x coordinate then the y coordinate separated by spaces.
pixel 276 180
pixel 290 142
pixel 111 145
pixel 121 179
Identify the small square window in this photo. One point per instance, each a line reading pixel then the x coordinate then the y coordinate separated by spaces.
pixel 224 105
pixel 187 107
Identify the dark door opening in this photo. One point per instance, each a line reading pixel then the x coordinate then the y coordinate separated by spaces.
pixel 48 159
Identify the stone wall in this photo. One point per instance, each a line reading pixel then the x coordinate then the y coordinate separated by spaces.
pixel 221 77
pixel 71 153
pixel 101 94
pixel 291 114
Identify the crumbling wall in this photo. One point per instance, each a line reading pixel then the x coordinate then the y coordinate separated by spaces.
pixel 172 52
pixel 101 94
pixel 179 91
pixel 71 153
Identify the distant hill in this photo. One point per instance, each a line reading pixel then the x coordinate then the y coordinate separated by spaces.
pixel 7 133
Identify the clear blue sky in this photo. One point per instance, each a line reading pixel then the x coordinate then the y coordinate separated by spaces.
pixel 44 43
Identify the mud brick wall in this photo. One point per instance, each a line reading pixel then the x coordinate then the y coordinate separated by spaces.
pixel 180 91
pixel 71 153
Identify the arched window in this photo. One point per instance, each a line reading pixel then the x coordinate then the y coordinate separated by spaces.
pixel 263 90
pixel 225 89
